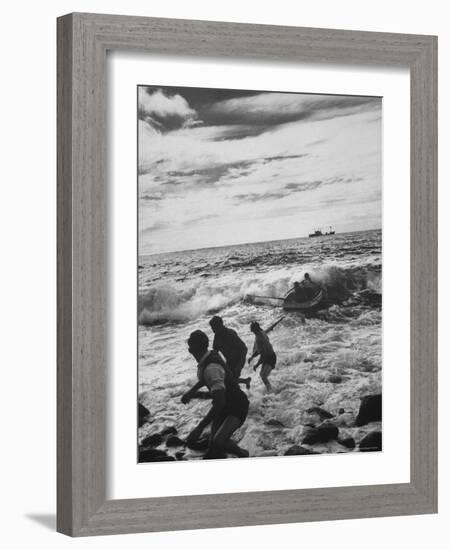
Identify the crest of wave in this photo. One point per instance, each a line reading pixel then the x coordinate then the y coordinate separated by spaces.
pixel 172 302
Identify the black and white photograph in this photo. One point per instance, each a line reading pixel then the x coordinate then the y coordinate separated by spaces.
pixel 259 273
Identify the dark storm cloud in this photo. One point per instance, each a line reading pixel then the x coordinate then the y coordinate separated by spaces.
pixel 239 114
pixel 255 112
pixel 224 133
pixel 199 98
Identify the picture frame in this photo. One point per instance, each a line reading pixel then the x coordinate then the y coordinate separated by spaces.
pixel 83 41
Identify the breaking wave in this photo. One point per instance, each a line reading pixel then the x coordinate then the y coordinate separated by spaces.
pixel 180 303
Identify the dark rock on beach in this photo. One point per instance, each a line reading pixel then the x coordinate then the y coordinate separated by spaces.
pixel 298 450
pixel 335 379
pixel 152 440
pixel 347 442
pixel 174 441
pixel 320 412
pixel 179 455
pixel 321 434
pixel 150 455
pixel 370 410
pixel 163 459
pixel 170 430
pixel 371 442
pixel 144 413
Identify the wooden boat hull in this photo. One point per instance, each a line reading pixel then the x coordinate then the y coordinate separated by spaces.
pixel 291 305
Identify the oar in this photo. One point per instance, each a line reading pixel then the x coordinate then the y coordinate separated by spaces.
pixel 269 329
pixel 264 297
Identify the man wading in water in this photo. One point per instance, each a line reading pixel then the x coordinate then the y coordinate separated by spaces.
pixel 229 404
pixel 233 349
pixel 263 347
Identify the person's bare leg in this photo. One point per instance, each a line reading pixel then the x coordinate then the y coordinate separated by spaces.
pixel 222 438
pixel 264 373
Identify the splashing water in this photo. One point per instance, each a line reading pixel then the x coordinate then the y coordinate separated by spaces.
pixel 179 292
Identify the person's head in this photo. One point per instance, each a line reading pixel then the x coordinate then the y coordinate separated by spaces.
pixel 296 285
pixel 216 323
pixel 306 276
pixel 255 327
pixel 198 343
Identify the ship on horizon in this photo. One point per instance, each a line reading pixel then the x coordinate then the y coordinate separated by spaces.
pixel 319 233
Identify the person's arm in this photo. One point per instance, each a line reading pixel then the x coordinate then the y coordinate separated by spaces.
pixel 255 352
pixel 215 344
pixel 189 394
pixel 218 404
pixel 257 364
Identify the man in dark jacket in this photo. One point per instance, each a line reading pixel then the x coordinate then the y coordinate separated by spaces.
pixel 231 346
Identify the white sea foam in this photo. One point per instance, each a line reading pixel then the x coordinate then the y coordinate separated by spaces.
pixel 343 340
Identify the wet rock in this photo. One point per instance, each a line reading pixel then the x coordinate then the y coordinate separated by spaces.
pixel 170 430
pixel 321 434
pixel 320 412
pixel 152 440
pixel 274 422
pixel 370 410
pixel 150 455
pixel 179 455
pixel 335 379
pixel 298 450
pixel 371 442
pixel 200 445
pixel 344 420
pixel 144 413
pixel 347 442
pixel 174 441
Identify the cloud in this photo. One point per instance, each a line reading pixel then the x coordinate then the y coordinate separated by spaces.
pixel 165 112
pixel 271 109
pixel 255 197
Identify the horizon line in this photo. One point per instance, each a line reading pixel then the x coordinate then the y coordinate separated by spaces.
pixel 253 242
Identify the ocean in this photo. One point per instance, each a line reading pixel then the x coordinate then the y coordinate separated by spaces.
pixel 328 359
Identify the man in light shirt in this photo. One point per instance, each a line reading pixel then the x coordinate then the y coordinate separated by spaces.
pixel 229 403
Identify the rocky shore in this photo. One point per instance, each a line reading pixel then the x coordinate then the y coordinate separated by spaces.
pixel 323 431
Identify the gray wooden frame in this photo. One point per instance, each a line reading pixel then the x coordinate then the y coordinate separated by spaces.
pixel 83 40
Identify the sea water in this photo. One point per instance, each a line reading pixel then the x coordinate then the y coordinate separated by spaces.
pixel 329 359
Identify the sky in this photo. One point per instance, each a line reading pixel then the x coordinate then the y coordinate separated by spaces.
pixel 220 167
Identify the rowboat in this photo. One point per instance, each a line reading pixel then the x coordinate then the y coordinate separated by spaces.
pixel 290 302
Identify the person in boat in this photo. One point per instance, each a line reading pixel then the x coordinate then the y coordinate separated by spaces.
pixel 229 403
pixel 310 287
pixel 303 291
pixel 263 348
pixel 231 346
